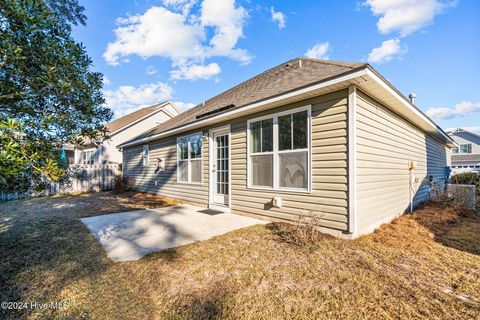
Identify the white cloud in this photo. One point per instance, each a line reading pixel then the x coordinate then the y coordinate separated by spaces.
pixel 462 109
pixel 195 72
pixel 278 17
pixel 126 99
pixel 186 38
pixel 151 70
pixel 319 51
pixel 180 5
pixel 227 20
pixel 183 106
pixel 106 80
pixel 388 50
pixel 158 32
pixel 406 16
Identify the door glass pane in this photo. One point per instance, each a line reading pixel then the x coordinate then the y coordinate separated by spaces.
pixel 267 135
pixel 293 170
pixel 183 171
pixel 300 130
pixel 255 142
pixel 196 170
pixel 221 163
pixel 285 132
pixel 262 170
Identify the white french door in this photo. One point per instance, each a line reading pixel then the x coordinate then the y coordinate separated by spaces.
pixel 220 173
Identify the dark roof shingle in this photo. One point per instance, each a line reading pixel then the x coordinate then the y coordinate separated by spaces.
pixel 288 76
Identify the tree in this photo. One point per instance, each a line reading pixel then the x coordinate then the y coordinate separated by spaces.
pixel 48 93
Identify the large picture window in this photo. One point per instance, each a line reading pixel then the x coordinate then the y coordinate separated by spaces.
pixel 189 158
pixel 279 151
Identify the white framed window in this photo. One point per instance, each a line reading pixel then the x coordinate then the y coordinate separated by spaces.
pixel 466 148
pixel 455 150
pixel 88 156
pixel 146 155
pixel 189 158
pixel 279 151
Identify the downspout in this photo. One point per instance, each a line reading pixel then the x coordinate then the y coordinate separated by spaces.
pixel 352 160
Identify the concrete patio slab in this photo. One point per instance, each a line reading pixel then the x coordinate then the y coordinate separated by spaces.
pixel 131 235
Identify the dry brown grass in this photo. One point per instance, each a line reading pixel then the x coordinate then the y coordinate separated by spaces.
pixel 424 266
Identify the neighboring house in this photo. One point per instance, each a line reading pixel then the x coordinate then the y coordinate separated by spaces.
pixel 465 157
pixel 121 130
pixel 309 135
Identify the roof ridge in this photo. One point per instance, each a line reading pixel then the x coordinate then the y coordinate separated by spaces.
pixel 129 118
pixel 334 62
pixel 464 130
pixel 278 79
pixel 250 79
pixel 129 114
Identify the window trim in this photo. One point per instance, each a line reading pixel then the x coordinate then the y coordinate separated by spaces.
pixel 94 150
pixel 147 158
pixel 275 152
pixel 469 147
pixel 189 175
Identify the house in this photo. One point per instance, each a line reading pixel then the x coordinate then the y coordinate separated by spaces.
pixel 119 131
pixel 329 138
pixel 465 157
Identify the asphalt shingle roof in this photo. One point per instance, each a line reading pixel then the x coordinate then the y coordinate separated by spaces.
pixel 286 77
pixel 131 117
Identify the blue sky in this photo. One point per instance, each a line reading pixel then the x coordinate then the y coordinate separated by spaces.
pixel 190 50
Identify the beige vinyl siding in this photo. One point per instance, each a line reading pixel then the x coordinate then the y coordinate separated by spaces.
pixel 167 185
pixel 385 145
pixel 329 167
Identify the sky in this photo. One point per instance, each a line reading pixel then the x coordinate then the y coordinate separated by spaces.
pixel 188 51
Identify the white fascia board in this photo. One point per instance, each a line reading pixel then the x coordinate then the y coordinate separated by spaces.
pixel 246 108
pixel 174 106
pixel 407 104
pixel 251 107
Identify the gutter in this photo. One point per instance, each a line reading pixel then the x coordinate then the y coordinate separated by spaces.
pixel 356 73
pixel 389 87
pixel 246 108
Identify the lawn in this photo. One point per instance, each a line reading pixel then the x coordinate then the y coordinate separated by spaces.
pixel 425 265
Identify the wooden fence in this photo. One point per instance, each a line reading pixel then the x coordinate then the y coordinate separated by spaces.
pixel 13 196
pixel 90 178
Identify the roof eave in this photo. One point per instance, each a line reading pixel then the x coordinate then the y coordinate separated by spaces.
pixel 354 77
pixel 156 110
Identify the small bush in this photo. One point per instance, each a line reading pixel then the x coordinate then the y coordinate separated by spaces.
pixel 306 227
pixel 304 233
pixel 460 201
pixel 123 184
pixel 467 178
